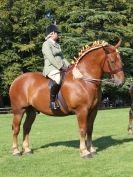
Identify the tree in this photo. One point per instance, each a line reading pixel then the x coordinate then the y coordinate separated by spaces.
pixel 21 36
pixel 23 24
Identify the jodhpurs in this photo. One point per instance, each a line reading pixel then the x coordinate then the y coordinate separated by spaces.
pixel 56 76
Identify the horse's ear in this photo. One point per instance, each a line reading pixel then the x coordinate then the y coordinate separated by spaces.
pixel 118 44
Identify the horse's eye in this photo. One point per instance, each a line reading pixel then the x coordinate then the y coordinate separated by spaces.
pixel 113 61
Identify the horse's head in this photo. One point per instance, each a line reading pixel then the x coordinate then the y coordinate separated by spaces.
pixel 113 63
pixel 97 59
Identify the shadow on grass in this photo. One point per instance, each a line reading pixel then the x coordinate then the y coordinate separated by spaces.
pixel 100 143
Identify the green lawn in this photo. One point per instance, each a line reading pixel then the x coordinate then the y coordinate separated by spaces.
pixel 55 141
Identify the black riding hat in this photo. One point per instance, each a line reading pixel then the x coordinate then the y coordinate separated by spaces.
pixel 51 28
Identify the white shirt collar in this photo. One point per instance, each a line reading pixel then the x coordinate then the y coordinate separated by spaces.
pixel 52 40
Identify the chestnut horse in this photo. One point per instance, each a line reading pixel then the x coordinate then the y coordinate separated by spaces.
pixel 30 92
pixel 130 123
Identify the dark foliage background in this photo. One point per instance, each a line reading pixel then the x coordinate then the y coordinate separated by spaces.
pixel 22 32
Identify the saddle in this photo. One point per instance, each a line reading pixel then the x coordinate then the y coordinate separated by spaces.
pixel 59 98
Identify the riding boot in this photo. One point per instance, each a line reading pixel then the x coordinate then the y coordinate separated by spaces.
pixel 53 93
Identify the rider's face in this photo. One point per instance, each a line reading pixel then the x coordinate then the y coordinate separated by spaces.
pixel 55 36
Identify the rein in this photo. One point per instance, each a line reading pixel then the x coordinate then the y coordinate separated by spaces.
pixel 98 81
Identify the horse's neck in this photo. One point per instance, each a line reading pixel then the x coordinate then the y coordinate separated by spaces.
pixel 91 63
pixel 91 69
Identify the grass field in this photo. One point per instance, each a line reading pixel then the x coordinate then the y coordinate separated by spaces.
pixel 55 141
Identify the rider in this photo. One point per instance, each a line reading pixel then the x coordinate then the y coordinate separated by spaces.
pixel 53 62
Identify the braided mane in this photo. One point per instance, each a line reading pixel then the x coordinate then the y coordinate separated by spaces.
pixel 89 48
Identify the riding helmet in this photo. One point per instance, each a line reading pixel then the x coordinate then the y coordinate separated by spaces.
pixel 51 28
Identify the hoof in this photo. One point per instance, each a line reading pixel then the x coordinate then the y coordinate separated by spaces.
pixel 94 153
pixel 86 155
pixel 28 152
pixel 18 154
pixel 130 131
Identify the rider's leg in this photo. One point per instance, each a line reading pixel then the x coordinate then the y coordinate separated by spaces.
pixel 53 94
pixel 56 77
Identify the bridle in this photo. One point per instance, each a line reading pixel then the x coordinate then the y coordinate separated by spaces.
pixel 110 62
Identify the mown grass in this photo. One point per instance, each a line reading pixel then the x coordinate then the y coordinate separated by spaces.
pixel 55 141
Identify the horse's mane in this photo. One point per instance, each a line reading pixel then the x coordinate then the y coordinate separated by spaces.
pixel 88 48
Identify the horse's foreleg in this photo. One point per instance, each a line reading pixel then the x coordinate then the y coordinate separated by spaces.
pixel 82 121
pixel 130 123
pixel 90 122
pixel 31 114
pixel 16 128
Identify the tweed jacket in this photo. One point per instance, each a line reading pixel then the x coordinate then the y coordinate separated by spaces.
pixel 53 57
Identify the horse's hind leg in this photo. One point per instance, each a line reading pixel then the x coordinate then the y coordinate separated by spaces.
pixel 31 115
pixel 16 128
pixel 130 123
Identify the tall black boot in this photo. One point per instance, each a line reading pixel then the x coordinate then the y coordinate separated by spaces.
pixel 53 93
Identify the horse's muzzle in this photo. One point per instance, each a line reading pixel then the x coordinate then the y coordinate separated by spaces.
pixel 119 79
pixel 119 83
